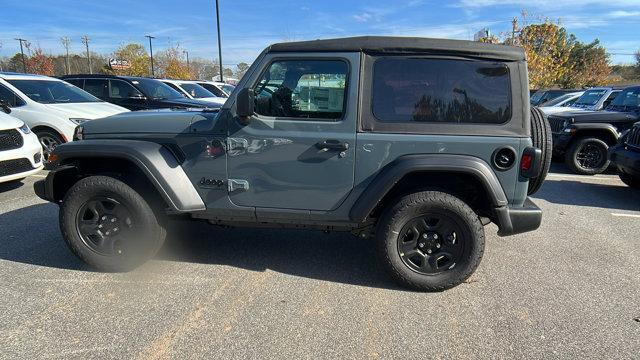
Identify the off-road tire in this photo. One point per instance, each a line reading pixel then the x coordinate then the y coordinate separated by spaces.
pixel 144 216
pixel 416 204
pixel 571 156
pixel 541 139
pixel 630 180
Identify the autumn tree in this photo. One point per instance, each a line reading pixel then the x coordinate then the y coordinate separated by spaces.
pixel 588 65
pixel 39 62
pixel 137 57
pixel 172 65
pixel 548 51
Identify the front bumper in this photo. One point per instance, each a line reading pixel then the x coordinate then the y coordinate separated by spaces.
pixel 625 159
pixel 45 189
pixel 560 142
pixel 517 220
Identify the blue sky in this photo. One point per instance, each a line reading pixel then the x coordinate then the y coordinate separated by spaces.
pixel 250 25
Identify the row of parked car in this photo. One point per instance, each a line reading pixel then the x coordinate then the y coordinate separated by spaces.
pixel 595 128
pixel 44 111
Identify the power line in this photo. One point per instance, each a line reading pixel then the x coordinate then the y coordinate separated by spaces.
pixel 24 62
pixel 85 41
pixel 65 42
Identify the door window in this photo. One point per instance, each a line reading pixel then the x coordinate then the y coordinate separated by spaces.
pixel 122 90
pixel 9 97
pixel 96 87
pixel 303 89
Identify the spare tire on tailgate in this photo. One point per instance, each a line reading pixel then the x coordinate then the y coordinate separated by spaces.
pixel 541 138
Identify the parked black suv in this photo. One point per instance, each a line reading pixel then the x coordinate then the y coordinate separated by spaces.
pixel 134 93
pixel 583 138
pixel 626 157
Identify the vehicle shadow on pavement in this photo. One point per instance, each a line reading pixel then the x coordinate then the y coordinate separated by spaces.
pixel 30 235
pixel 337 257
pixel 607 196
pixel 10 186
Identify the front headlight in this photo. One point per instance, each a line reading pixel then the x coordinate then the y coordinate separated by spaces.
pixel 25 129
pixel 78 134
pixel 78 121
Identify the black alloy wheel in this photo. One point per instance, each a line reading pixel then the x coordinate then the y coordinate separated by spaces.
pixel 431 244
pixel 104 224
pixel 591 156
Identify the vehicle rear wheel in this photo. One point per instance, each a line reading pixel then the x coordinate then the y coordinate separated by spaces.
pixel 109 225
pixel 588 156
pixel 49 140
pixel 541 139
pixel 630 180
pixel 430 241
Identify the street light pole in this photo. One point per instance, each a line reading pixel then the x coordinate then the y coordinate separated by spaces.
pixel 187 53
pixel 219 41
pixel 151 52
pixel 24 62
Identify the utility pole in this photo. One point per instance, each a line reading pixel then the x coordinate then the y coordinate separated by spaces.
pixel 24 62
pixel 85 41
pixel 514 30
pixel 65 42
pixel 219 41
pixel 187 53
pixel 151 52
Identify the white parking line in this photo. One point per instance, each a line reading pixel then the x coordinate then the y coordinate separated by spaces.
pixel 39 175
pixel 581 177
pixel 626 215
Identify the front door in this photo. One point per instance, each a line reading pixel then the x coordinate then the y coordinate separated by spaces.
pixel 298 150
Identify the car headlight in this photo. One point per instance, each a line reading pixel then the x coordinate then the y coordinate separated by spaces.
pixel 78 133
pixel 25 129
pixel 78 121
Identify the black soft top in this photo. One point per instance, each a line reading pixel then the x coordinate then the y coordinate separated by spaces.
pixel 403 45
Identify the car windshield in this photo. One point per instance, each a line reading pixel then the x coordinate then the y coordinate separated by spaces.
pixel 537 96
pixel 196 91
pixel 156 89
pixel 558 100
pixel 228 88
pixel 628 99
pixel 53 92
pixel 590 97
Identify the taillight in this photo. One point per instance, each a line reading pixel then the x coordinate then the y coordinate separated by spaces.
pixel 530 162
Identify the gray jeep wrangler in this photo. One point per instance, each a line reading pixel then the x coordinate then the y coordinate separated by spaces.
pixel 414 143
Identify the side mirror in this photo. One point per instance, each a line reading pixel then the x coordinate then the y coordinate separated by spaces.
pixel 245 103
pixel 5 107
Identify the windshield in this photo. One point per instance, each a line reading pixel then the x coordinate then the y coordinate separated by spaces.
pixel 558 100
pixel 228 88
pixel 53 92
pixel 156 89
pixel 196 91
pixel 537 96
pixel 591 97
pixel 627 99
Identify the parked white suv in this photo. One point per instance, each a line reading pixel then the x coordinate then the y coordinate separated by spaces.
pixel 217 88
pixel 192 90
pixel 20 151
pixel 51 107
pixel 561 104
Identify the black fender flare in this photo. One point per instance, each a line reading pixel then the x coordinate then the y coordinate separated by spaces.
pixel 154 160
pixel 393 172
pixel 612 130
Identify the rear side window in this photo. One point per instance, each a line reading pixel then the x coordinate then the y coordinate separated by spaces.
pixel 408 90
pixel 9 97
pixel 96 87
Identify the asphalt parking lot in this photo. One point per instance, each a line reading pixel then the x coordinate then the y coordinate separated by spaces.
pixel 571 289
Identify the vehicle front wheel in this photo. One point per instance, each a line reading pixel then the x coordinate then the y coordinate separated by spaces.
pixel 49 140
pixel 109 225
pixel 430 241
pixel 631 181
pixel 588 156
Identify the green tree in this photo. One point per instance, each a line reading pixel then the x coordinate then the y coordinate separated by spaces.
pixel 241 69
pixel 588 65
pixel 136 55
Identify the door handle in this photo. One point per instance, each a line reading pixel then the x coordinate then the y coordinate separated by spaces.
pixel 331 144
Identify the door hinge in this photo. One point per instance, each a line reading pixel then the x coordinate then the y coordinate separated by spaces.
pixel 236 184
pixel 237 143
